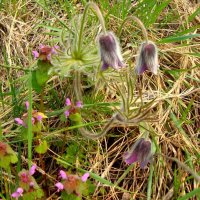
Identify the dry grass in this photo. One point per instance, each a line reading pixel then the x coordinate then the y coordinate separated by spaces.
pixel 20 33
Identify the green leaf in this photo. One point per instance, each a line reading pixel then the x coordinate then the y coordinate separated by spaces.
pixel 190 194
pixel 75 117
pixel 42 72
pixel 179 38
pixel 40 75
pixel 10 157
pixel 35 84
pixel 42 147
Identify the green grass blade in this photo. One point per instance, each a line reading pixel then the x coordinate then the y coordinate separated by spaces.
pixel 124 174
pixel 30 134
pixel 179 38
pixel 149 188
pixel 190 194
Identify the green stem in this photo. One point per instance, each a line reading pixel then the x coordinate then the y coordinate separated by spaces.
pixel 99 15
pixel 139 22
pixel 30 136
pixel 77 85
pixel 149 188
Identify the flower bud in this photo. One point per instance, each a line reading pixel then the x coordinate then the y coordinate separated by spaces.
pixel 147 58
pixel 110 51
pixel 140 151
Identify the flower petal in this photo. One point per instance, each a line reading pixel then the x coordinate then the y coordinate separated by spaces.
pixel 32 169
pixel 68 102
pixel 35 54
pixel 19 121
pixel 59 186
pixel 85 176
pixel 63 175
pixel 79 104
pixel 67 113
pixel 27 105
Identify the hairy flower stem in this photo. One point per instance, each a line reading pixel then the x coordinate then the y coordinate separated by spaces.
pixel 105 130
pixel 99 15
pixel 183 165
pixel 83 131
pixel 139 22
pixel 77 85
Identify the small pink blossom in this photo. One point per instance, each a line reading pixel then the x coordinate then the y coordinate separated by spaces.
pixel 68 102
pixel 67 113
pixel 85 176
pixel 59 186
pixel 63 175
pixel 31 184
pixel 54 48
pixel 32 169
pixel 45 52
pixel 27 105
pixel 79 104
pixel 17 193
pixel 19 121
pixel 33 120
pixel 35 54
pixel 39 118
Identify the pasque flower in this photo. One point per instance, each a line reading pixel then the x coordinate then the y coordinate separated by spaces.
pixel 110 51
pixel 140 151
pixel 147 58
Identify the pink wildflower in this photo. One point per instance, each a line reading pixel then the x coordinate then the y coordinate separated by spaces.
pixel 63 175
pixel 79 104
pixel 32 169
pixel 17 193
pixel 59 186
pixel 85 176
pixel 68 102
pixel 19 121
pixel 27 105
pixel 67 113
pixel 35 54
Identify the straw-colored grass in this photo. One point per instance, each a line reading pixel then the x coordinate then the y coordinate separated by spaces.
pixel 176 110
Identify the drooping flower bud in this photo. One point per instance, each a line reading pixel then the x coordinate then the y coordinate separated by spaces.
pixel 147 58
pixel 110 51
pixel 140 151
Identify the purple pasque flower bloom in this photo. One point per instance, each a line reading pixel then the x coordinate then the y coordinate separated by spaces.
pixel 147 58
pixel 59 186
pixel 85 176
pixel 17 193
pixel 140 151
pixel 63 175
pixel 110 51
pixel 32 169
